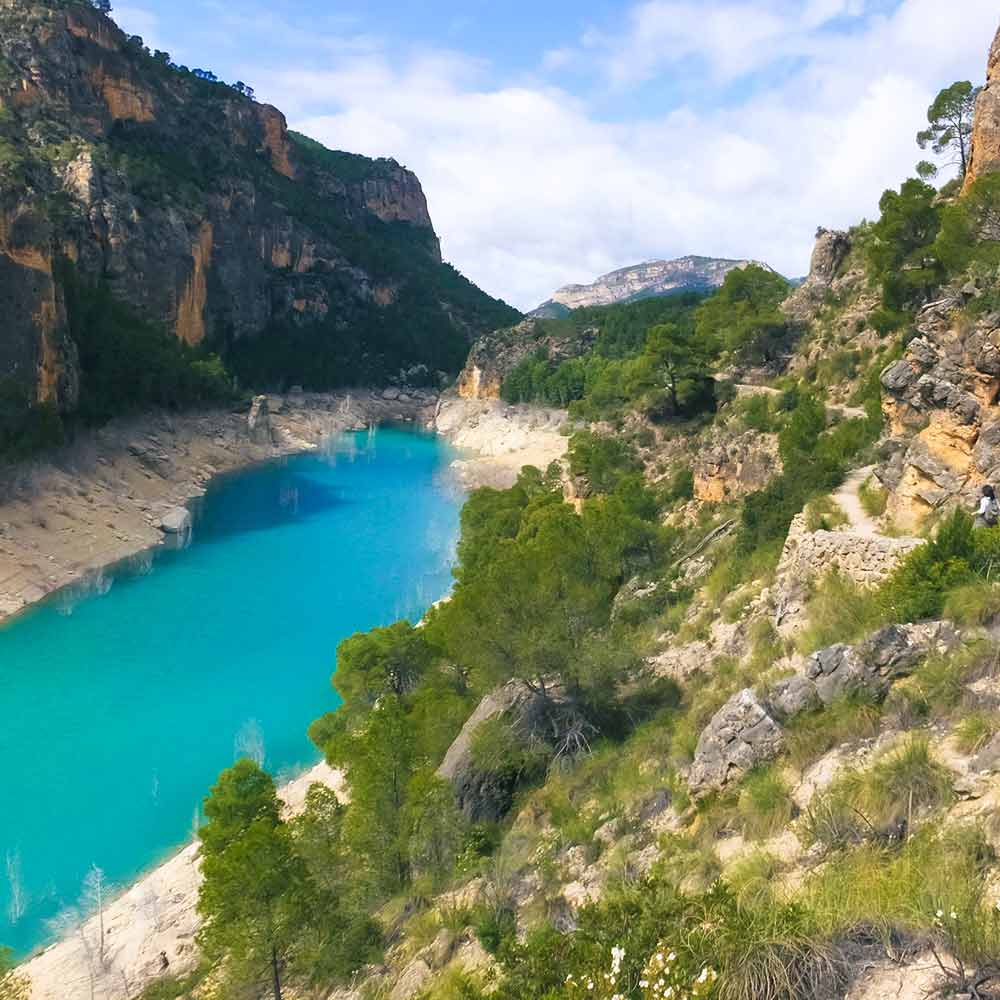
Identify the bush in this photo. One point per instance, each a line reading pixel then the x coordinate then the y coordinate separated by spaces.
pixel 765 806
pixel 918 587
pixel 882 802
pixel 975 731
pixel 824 514
pixel 873 497
pixel 839 611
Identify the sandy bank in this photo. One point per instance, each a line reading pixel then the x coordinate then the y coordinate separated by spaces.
pixel 101 499
pixel 499 439
pixel 149 929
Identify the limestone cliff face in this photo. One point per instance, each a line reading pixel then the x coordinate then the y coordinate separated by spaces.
pixel 495 355
pixel 986 128
pixel 940 404
pixel 195 204
pixel 654 277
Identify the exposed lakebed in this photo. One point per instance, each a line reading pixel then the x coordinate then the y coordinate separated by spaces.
pixel 118 707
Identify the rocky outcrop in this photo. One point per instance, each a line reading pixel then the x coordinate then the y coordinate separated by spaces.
pixel 940 406
pixel 654 277
pixel 193 203
pixel 176 521
pixel 865 559
pixel 259 421
pixel 484 793
pixel 985 155
pixel 829 253
pixel 741 735
pixel 733 468
pixel 496 354
pixel 749 729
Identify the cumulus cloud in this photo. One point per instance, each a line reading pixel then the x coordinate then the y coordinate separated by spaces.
pixel 805 112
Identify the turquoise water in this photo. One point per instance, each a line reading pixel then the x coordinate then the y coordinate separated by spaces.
pixel 118 710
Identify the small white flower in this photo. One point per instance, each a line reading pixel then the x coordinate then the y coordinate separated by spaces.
pixel 953 915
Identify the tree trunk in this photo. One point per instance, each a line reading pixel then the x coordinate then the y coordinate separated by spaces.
pixel 276 973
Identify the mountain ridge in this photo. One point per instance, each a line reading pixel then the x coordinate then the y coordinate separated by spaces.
pixel 658 276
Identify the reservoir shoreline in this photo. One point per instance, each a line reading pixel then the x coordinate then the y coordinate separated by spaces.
pixel 71 517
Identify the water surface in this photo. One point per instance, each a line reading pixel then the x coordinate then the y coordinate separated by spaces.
pixel 118 709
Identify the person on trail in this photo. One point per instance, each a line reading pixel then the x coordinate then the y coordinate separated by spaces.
pixel 988 515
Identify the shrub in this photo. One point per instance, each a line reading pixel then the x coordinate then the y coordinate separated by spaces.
pixel 873 497
pixel 852 718
pixel 839 611
pixel 882 802
pixel 975 731
pixel 765 806
pixel 824 514
pixel 918 587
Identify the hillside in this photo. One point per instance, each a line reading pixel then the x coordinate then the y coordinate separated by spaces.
pixel 713 708
pixel 153 216
pixel 651 278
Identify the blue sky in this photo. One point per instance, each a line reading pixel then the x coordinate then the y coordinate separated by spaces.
pixel 557 140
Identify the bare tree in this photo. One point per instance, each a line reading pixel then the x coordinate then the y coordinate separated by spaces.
pixel 18 899
pixel 95 897
pixel 249 742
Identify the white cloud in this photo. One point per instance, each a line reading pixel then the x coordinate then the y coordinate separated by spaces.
pixel 530 189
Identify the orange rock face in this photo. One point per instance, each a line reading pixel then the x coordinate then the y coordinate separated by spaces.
pixel 276 138
pixel 986 128
pixel 191 309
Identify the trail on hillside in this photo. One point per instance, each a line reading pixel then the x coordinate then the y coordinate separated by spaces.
pixel 848 500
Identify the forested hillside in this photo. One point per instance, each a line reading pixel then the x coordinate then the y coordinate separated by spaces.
pixel 166 241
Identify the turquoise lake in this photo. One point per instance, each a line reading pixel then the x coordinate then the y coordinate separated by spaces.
pixel 120 708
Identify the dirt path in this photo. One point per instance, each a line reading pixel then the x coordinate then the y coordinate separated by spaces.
pixel 848 500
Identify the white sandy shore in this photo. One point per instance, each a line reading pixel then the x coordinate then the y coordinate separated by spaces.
pixel 499 439
pixel 149 929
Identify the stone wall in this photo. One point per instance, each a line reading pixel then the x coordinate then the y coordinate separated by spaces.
pixel 865 559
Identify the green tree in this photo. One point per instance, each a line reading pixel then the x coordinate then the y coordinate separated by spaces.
pixel 433 825
pixel 950 118
pixel 743 318
pixel 253 884
pixel 899 253
pixel 377 756
pixel 970 227
pixel 383 661
pixel 680 361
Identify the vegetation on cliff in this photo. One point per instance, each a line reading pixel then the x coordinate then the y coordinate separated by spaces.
pixel 199 228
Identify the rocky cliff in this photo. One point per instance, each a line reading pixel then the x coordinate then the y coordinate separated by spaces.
pixel 196 206
pixel 654 277
pixel 986 129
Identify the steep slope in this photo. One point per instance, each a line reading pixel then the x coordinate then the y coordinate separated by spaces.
pixel 986 129
pixel 653 277
pixel 195 206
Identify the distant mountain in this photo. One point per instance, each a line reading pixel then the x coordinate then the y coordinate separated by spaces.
pixel 654 277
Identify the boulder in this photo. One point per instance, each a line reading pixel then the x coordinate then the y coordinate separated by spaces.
pixel 747 730
pixel 176 521
pixel 741 735
pixel 488 795
pixel 872 666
